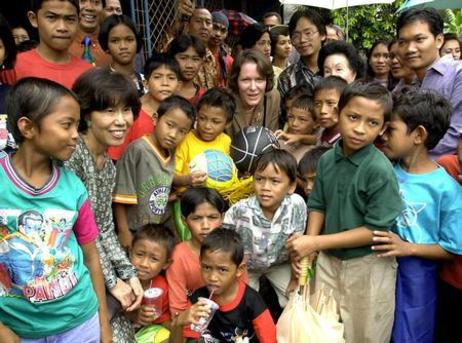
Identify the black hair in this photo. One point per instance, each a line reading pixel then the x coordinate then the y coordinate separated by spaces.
pixel 100 88
pixel 280 159
pixel 33 98
pixel 176 101
pixel 8 42
pixel 184 42
pixel 281 30
pixel 272 14
pixel 36 5
pixel 196 196
pixel 310 159
pixel 369 71
pixel 296 91
pixel 372 91
pixel 424 108
pixel 304 102
pixel 427 15
pixel 451 36
pixel 331 82
pixel 158 234
pixel 27 45
pixel 225 240
pixel 313 16
pixel 112 21
pixel 251 34
pixel 342 48
pixel 219 97
pixel 157 61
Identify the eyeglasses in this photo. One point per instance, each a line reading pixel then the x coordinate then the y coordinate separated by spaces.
pixel 297 36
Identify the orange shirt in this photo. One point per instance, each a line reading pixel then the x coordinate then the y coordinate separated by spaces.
pixel 76 48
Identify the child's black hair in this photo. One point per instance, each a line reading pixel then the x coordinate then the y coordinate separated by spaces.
pixel 280 159
pixel 225 240
pixel 196 196
pixel 176 101
pixel 112 21
pixel 427 15
pixel 424 108
pixel 309 161
pixel 331 82
pixel 304 102
pixel 33 98
pixel 157 61
pixel 36 5
pixel 158 234
pixel 8 42
pixel 296 91
pixel 184 42
pixel 100 88
pixel 371 91
pixel 219 97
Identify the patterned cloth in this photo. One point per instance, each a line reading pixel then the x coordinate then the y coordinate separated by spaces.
pixel 296 74
pixel 207 76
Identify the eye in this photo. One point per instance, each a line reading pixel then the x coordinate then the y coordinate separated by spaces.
pixel 353 117
pixel 374 123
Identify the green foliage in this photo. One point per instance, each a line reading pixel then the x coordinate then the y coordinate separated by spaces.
pixel 453 21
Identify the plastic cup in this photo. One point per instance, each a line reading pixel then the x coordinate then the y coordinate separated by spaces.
pixel 205 321
pixel 153 298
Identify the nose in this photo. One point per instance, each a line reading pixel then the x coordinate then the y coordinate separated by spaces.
pixel 61 27
pixel 119 118
pixel 308 187
pixel 143 262
pixel 323 108
pixel 253 84
pixel 75 132
pixel 205 225
pixel 360 127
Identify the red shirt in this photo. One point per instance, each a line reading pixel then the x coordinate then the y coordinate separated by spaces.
pixel 160 282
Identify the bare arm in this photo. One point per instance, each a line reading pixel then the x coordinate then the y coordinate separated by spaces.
pixel 7 335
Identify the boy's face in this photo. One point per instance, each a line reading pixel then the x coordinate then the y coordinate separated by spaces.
pixel 162 83
pixel 325 106
pixel 149 258
pixel 219 272
pixel 300 121
pixel 57 23
pixel 308 182
pixel 203 220
pixel 397 141
pixel 360 123
pixel 90 14
pixel 171 128
pixel 219 34
pixel 122 44
pixel 190 63
pixel 211 121
pixel 271 186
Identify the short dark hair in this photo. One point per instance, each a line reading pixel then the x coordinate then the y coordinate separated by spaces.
pixel 156 233
pixel 226 240
pixel 371 91
pixel 427 15
pixel 219 97
pixel 184 42
pixel 341 48
pixel 33 98
pixel 304 102
pixel 157 61
pixel 298 90
pixel 272 14
pixel 8 42
pixel 331 82
pixel 100 88
pixel 280 159
pixel 310 159
pixel 275 32
pixel 313 16
pixel 36 5
pixel 176 101
pixel 112 21
pixel 251 34
pixel 264 68
pixel 424 108
pixel 196 196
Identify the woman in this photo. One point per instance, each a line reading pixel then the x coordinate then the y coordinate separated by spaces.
pixel 251 81
pixel 451 46
pixel 340 59
pixel 378 65
pixel 281 46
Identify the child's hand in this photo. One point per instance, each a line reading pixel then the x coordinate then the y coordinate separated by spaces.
pixel 198 178
pixel 194 314
pixel 7 335
pixel 138 291
pixel 300 246
pixel 390 244
pixel 125 238
pixel 145 315
pixel 279 133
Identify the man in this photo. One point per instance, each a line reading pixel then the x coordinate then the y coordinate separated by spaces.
pixel 112 7
pixel 271 19
pixel 420 37
pixel 223 59
pixel 334 33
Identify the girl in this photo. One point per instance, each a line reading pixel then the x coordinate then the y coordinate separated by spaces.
pixel 378 65
pixel 108 102
pixel 281 46
pixel 119 38
pixel 50 275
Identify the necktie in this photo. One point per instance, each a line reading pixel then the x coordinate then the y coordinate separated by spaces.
pixel 86 55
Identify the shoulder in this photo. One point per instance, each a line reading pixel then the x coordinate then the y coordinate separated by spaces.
pixel 254 300
pixel 377 163
pixel 161 282
pixel 181 251
pixel 297 200
pixel 80 64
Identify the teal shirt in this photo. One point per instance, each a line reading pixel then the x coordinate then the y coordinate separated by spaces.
pixel 356 190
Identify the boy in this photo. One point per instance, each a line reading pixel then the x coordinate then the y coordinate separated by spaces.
pixel 215 113
pixel 428 229
pixel 242 314
pixel 307 168
pixel 265 221
pixel 162 73
pixel 145 171
pixel 326 96
pixel 354 193
pixel 56 22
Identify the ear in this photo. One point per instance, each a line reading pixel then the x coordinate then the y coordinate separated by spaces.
pixel 384 128
pixel 420 135
pixel 292 187
pixel 241 269
pixel 26 127
pixel 32 16
pixel 167 264
pixel 439 41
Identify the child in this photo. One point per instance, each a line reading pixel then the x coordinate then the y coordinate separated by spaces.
pixel 301 121
pixel 307 168
pixel 202 209
pixel 56 22
pixel 214 114
pixel 145 170
pixel 108 102
pixel 291 95
pixel 327 93
pixel 51 285
pixel 119 38
pixel 189 52
pixel 162 73
pixel 354 193
pixel 242 315
pixel 265 221
pixel 428 229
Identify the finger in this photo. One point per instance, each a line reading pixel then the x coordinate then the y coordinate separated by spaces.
pixel 381 233
pixel 381 239
pixel 382 247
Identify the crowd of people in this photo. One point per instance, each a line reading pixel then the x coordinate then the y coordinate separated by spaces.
pixel 96 149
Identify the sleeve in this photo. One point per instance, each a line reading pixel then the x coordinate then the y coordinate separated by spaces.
pixel 176 279
pixel 181 158
pixel 451 212
pixel 283 83
pixel 262 321
pixel 85 228
pixel 125 184
pixel 316 200
pixel 110 277
pixel 452 166
pixel 230 215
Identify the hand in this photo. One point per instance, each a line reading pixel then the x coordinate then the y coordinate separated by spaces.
pixel 185 8
pixel 198 178
pixel 145 315
pixel 125 238
pixel 300 246
pixel 106 332
pixel 390 244
pixel 194 314
pixel 7 335
pixel 123 293
pixel 138 291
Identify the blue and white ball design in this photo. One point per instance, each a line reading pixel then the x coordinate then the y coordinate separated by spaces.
pixel 218 166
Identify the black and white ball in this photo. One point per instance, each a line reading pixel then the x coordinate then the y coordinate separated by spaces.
pixel 248 144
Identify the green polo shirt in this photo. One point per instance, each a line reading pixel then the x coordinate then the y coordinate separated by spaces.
pixel 356 190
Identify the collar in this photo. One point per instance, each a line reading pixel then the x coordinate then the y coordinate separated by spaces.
pixel 356 158
pixel 442 64
pixel 255 206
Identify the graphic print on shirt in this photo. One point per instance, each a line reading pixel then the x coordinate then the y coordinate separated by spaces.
pixel 408 217
pixel 35 261
pixel 154 188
